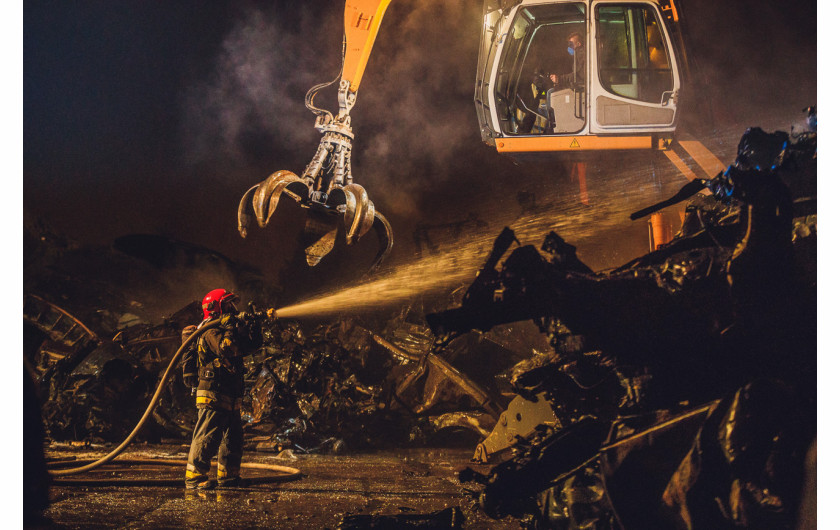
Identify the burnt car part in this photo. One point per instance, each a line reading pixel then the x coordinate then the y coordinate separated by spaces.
pixel 558 453
pixel 511 484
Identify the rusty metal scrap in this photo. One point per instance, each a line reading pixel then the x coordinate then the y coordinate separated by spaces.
pixel 305 390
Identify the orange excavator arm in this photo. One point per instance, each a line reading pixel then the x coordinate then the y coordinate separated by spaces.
pixel 362 19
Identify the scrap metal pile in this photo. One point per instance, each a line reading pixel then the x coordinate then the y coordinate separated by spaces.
pixel 684 382
pixel 329 388
pixel 676 390
pixel 315 390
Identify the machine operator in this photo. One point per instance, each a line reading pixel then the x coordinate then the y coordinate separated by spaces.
pixel 576 79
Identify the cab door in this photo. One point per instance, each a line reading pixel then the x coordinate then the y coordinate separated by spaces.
pixel 633 75
pixel 529 44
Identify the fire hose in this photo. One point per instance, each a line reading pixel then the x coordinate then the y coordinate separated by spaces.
pixel 283 473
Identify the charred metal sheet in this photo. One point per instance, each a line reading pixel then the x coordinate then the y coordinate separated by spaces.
pixel 423 388
pixel 579 502
pixel 69 340
pixel 413 339
pixel 423 372
pixel 550 455
pixel 468 386
pixel 638 458
pixel 478 422
pixel 396 351
pixel 517 422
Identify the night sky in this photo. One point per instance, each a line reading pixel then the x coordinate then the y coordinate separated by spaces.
pixel 155 117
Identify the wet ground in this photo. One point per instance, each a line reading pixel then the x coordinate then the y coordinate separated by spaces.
pixel 330 487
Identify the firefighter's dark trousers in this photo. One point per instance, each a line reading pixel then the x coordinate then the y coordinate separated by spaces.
pixel 215 430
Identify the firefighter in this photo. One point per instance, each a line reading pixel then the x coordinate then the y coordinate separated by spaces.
pixel 214 370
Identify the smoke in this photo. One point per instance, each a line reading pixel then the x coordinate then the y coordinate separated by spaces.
pixel 182 285
pixel 255 92
pixel 414 113
pixel 418 96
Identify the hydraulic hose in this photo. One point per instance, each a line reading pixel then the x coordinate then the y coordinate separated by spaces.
pixel 152 404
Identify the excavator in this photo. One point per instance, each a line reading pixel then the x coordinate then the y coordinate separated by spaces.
pixel 624 95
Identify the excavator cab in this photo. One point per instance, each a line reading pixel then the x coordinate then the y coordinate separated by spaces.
pixel 568 75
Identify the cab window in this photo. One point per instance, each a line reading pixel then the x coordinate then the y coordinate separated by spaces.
pixel 632 59
pixel 535 48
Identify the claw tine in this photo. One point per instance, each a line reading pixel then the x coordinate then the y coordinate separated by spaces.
pixel 358 214
pixel 243 216
pixel 260 195
pixel 268 194
pixel 260 207
pixel 273 200
pixel 367 220
pixel 386 240
pixel 354 218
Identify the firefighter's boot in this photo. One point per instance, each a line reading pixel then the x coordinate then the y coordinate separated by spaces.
pixel 195 480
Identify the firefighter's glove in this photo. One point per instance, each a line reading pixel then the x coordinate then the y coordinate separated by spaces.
pixel 186 332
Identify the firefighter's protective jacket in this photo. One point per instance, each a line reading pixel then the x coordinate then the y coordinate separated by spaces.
pixel 219 364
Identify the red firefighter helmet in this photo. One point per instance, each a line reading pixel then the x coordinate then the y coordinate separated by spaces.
pixel 218 301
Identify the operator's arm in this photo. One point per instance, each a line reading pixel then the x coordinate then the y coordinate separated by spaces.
pixel 576 79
